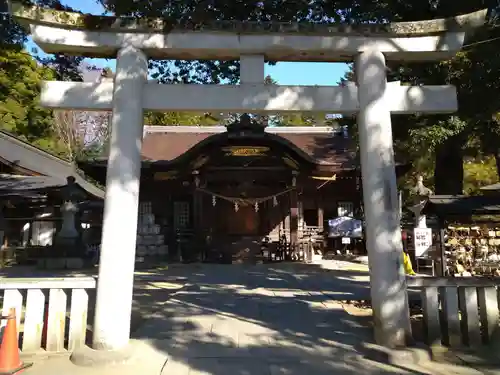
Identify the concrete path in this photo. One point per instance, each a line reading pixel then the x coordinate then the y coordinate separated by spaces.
pixel 261 320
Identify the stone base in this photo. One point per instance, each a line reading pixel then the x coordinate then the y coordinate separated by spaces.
pixel 52 263
pixel 400 356
pixel 74 263
pixel 478 357
pixel 61 263
pixel 41 355
pixel 88 357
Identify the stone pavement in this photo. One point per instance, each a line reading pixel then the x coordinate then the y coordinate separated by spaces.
pixel 246 320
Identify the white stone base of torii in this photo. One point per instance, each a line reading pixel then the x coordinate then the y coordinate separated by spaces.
pixel 372 99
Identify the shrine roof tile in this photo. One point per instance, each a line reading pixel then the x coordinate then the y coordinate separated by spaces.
pixel 37 162
pixel 324 148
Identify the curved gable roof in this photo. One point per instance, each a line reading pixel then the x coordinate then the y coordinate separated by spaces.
pixel 318 145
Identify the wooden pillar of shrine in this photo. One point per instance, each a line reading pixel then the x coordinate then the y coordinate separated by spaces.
pixel 197 207
pixel 321 212
pixel 294 216
pixel 197 211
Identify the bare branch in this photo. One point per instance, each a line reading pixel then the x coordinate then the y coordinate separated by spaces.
pixel 81 132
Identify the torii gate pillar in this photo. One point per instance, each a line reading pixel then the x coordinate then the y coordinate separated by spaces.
pixel 383 234
pixel 119 228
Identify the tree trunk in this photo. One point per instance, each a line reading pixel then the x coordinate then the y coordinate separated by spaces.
pixel 449 169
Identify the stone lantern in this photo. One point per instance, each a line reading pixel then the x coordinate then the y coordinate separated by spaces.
pixel 421 195
pixel 67 239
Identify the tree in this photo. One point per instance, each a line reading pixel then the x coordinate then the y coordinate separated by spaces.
pixel 487 139
pixel 474 71
pixel 20 78
pixel 20 112
pixel 11 33
pixel 180 118
pixel 13 36
pixel 65 68
pixel 81 134
pixel 479 172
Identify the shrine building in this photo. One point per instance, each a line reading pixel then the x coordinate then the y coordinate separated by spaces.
pixel 216 187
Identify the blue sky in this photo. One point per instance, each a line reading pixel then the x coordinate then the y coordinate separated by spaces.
pixel 286 73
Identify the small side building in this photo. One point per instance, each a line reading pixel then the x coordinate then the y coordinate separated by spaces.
pixel 31 182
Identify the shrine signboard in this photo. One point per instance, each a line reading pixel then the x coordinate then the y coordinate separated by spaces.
pixel 422 239
pixel 245 151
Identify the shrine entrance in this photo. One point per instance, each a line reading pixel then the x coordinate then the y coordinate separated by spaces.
pixel 372 98
pixel 244 222
pixel 246 183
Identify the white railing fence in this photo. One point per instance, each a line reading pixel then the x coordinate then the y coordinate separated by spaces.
pixel 51 313
pixel 459 311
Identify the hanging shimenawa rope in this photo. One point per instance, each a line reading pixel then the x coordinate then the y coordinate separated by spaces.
pixel 245 201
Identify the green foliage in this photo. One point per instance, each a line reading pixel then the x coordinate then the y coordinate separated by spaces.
pixel 20 78
pixel 436 144
pixel 20 112
pixel 479 172
pixel 180 118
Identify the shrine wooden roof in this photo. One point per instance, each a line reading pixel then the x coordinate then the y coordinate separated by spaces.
pixel 448 206
pixel 29 160
pixel 321 144
pixel 318 150
pixel 491 188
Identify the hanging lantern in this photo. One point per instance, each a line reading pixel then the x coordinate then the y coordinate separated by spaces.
pixel 196 178
pixel 256 206
pixel 275 201
pixel 236 206
pixel 294 178
pixel 214 200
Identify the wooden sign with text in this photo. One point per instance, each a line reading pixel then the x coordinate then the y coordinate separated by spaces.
pixel 245 150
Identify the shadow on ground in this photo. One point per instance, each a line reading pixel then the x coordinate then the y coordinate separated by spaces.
pixel 268 319
pixel 285 318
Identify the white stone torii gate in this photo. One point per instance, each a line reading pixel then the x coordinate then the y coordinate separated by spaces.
pixel 372 99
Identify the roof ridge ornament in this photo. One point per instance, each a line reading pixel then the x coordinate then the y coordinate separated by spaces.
pixel 246 124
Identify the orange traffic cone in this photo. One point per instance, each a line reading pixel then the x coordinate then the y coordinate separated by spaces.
pixel 10 363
